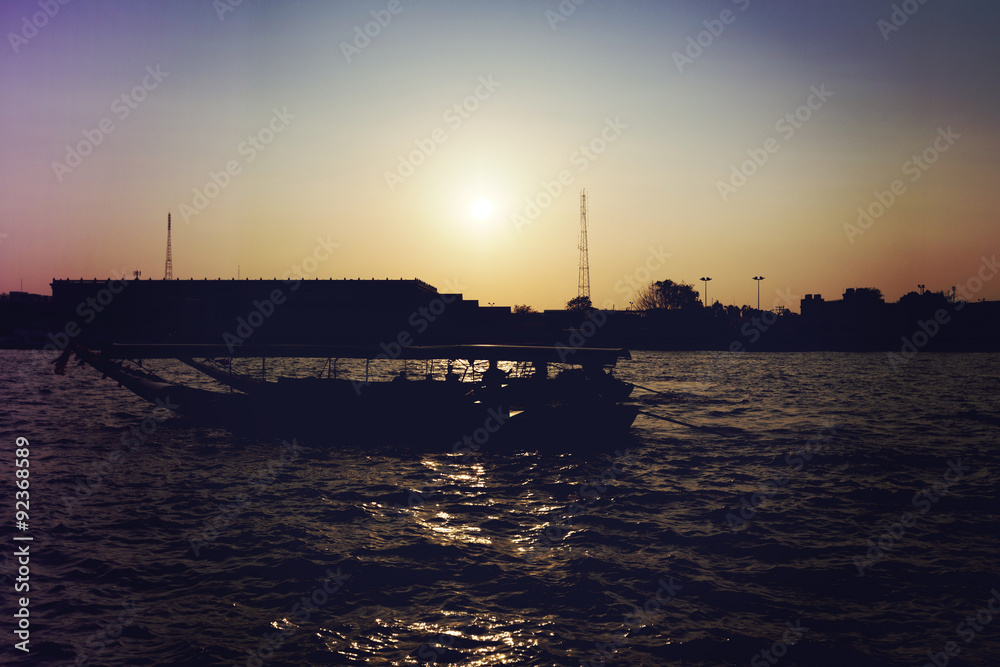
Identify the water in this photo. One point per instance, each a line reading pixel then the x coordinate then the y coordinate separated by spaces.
pixel 200 547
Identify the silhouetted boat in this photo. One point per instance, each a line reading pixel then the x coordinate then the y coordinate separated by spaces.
pixel 579 405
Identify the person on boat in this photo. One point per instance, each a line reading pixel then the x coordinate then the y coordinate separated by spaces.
pixel 450 376
pixel 493 377
pixel 401 377
pixel 603 384
pixel 492 388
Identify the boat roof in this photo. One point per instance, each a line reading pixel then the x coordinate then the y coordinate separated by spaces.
pixel 474 352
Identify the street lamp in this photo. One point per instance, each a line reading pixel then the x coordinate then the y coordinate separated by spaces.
pixel 758 279
pixel 705 280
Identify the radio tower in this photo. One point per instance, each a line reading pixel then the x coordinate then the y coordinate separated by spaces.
pixel 168 272
pixel 584 289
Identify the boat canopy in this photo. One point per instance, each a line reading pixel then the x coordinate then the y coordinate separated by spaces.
pixel 475 352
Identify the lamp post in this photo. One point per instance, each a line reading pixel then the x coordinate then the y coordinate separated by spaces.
pixel 705 280
pixel 758 279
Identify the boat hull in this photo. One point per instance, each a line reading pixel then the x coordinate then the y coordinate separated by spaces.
pixel 421 412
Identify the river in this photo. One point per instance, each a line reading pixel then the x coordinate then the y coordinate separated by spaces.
pixel 834 509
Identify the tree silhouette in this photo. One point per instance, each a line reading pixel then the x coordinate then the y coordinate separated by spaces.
pixel 523 309
pixel 579 303
pixel 916 304
pixel 668 295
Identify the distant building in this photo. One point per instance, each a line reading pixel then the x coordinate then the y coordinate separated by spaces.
pixel 811 305
pixel 263 311
pixel 24 297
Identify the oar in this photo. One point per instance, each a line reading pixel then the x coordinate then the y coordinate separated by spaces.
pixel 639 386
pixel 678 421
pixel 672 396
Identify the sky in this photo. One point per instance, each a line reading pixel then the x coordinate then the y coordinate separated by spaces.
pixel 820 145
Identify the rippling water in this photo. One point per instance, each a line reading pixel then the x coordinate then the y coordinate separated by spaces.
pixel 678 546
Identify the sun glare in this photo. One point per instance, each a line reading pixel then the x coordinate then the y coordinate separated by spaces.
pixel 481 209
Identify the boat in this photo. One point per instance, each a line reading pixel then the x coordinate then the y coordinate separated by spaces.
pixel 581 404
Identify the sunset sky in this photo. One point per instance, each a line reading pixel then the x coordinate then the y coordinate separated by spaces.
pixel 382 144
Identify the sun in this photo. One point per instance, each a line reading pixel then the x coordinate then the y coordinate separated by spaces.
pixel 481 209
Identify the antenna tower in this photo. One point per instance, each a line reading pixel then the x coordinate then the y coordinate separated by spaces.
pixel 584 287
pixel 168 272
